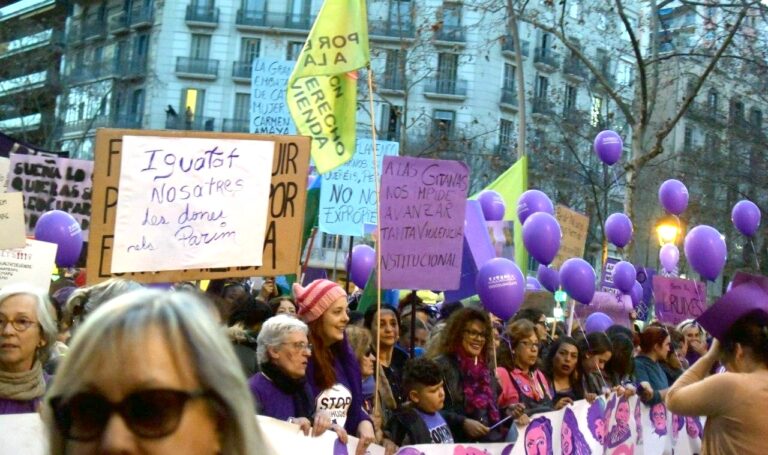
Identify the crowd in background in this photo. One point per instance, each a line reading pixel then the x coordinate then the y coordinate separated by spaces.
pixel 186 366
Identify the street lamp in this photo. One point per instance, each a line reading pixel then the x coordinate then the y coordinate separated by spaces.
pixel 667 229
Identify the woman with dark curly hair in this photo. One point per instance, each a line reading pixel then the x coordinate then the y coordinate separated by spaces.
pixel 561 366
pixel 463 352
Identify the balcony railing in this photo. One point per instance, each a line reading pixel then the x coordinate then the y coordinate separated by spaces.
pixel 545 56
pixel 705 113
pixel 392 82
pixel 199 66
pixel 86 124
pixel 94 27
pixel 454 87
pixel 542 106
pixel 242 70
pixel 391 28
pixel 196 124
pixel 202 14
pixel 257 18
pixel 508 45
pixel 574 67
pixel 609 78
pixel 74 33
pixel 131 68
pixel 141 17
pixel 450 33
pixel 118 23
pixel 575 117
pixel 128 121
pixel 509 96
pixel 235 125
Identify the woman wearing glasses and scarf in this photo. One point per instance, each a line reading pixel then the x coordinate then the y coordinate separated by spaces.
pixel 471 391
pixel 280 388
pixel 27 334
pixel 150 372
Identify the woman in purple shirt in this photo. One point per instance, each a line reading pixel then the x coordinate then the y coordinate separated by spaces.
pixel 27 334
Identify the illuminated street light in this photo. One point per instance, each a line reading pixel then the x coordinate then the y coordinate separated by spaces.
pixel 668 229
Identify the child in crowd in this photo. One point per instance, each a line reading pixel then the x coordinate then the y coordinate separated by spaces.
pixel 420 421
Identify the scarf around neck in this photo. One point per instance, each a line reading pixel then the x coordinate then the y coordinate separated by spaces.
pixel 24 386
pixel 476 385
pixel 296 388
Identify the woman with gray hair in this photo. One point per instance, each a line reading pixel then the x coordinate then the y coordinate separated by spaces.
pixel 280 388
pixel 27 334
pixel 159 361
pixel 83 301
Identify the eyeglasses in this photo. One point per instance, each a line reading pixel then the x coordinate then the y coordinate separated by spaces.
pixel 475 334
pixel 20 325
pixel 149 414
pixel 370 351
pixel 529 345
pixel 299 346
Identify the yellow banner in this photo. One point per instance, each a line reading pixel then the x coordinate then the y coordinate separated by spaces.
pixel 322 89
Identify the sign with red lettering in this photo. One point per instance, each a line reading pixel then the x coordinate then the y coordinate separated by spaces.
pixel 678 299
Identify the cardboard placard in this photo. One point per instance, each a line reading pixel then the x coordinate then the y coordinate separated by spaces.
pixel 285 215
pixel 5 167
pixel 677 299
pixel 12 221
pixel 30 265
pixel 574 226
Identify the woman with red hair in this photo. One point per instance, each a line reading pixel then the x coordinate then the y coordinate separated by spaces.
pixel 654 347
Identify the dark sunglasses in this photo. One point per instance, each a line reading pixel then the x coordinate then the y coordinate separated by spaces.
pixel 149 414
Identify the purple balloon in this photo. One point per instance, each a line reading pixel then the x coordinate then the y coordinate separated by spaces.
pixel 541 237
pixel 673 196
pixel 501 287
pixel 492 204
pixel 618 229
pixel 669 256
pixel 578 279
pixel 608 146
pixel 597 322
pixel 532 284
pixel 360 264
pixel 706 251
pixel 548 277
pixel 624 276
pixel 637 294
pixel 746 217
pixel 62 229
pixel 533 201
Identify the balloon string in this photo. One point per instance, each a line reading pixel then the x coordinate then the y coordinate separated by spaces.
pixel 754 250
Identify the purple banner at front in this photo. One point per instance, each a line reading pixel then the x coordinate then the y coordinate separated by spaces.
pixel 677 299
pixel 422 222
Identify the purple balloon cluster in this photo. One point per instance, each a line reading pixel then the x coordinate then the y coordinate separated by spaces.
pixel 673 196
pixel 618 229
pixel 541 231
pixel 706 251
pixel 501 287
pixel 608 146
pixel 578 279
pixel 360 264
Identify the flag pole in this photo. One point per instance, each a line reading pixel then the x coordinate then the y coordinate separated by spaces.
pixel 372 114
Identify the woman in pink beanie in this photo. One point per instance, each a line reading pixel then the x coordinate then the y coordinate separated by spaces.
pixel 333 372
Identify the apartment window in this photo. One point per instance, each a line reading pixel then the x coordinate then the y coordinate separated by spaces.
pixel 391 115
pixel 294 49
pixel 300 7
pixel 451 16
pixel 756 118
pixel 331 242
pixel 254 6
pixel 574 9
pixel 603 61
pixel 141 46
pixel 249 49
pixel 737 110
pixel 711 142
pixel 546 41
pixel 242 106
pixel 569 101
pixel 506 132
pixel 98 55
pixel 509 78
pixel 542 87
pixel 688 139
pixel 596 113
pixel 400 12
pixel 192 100
pixel 137 105
pixel 447 68
pixel 713 100
pixel 200 47
pixel 625 74
pixel 394 67
pixel 442 123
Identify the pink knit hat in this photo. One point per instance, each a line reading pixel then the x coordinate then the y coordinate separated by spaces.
pixel 317 297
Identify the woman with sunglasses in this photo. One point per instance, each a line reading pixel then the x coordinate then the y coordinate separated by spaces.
pixel 151 372
pixel 333 373
pixel 27 334
pixel 463 352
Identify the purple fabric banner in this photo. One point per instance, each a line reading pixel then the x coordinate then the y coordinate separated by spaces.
pixel 422 225
pixel 617 308
pixel 677 299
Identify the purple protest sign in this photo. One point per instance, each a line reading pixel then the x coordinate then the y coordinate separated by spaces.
pixel 422 222
pixel 616 307
pixel 678 299
pixel 606 281
pixel 478 249
pixel 50 183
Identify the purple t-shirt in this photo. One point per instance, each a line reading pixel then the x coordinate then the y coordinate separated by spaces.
pixel 437 427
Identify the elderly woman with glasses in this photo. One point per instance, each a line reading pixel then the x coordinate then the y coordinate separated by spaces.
pixel 463 352
pixel 151 372
pixel 280 388
pixel 27 334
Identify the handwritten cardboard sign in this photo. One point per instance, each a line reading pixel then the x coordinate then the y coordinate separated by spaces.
pixel 182 203
pixel 12 221
pixel 30 265
pixel 422 225
pixel 50 183
pixel 269 113
pixel 5 167
pixel 285 213
pixel 348 193
pixel 677 299
pixel 574 227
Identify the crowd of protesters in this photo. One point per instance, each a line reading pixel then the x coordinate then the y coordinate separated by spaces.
pixel 185 369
